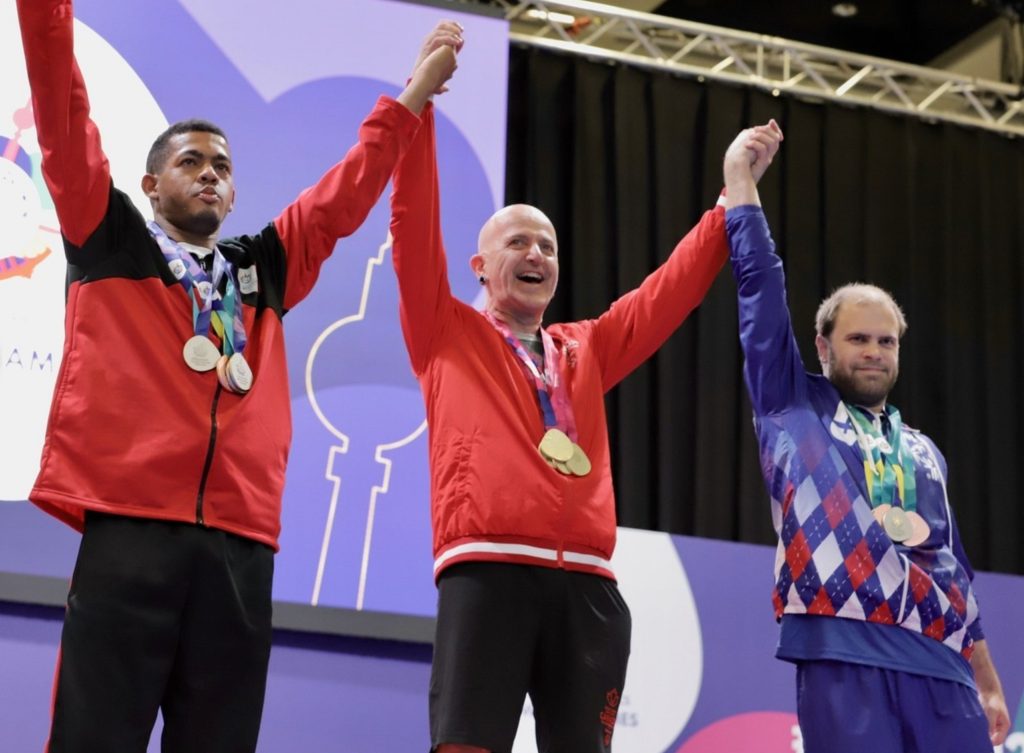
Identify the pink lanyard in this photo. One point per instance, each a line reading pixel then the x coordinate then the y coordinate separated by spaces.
pixel 552 395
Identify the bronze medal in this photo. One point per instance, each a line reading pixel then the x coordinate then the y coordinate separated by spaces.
pixel 555 445
pixel 920 529
pixel 200 353
pixel 879 513
pixel 897 525
pixel 579 463
pixel 222 373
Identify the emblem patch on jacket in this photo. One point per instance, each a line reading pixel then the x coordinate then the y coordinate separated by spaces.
pixel 247 280
pixel 177 267
pixel 841 428
pixel 570 349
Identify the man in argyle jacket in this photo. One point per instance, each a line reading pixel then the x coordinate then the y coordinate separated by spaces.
pixel 873 589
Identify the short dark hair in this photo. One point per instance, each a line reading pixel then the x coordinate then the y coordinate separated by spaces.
pixel 158 152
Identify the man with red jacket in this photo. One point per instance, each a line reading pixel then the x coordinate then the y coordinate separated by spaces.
pixel 170 423
pixel 522 505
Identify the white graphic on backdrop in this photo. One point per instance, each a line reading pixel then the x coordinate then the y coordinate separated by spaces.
pixel 666 662
pixel 411 433
pixel 373 416
pixel 32 268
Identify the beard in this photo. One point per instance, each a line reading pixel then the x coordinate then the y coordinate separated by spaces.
pixel 191 217
pixel 857 389
pixel 200 223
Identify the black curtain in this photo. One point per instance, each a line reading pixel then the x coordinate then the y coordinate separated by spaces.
pixel 624 160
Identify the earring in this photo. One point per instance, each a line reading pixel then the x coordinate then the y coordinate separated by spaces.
pixel 482 279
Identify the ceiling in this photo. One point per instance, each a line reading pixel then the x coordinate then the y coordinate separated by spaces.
pixel 911 31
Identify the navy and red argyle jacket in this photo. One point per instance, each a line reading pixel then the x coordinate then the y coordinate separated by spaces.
pixel 833 558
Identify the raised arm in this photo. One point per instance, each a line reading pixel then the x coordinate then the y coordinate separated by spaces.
pixel 74 166
pixel 773 369
pixel 418 247
pixel 639 322
pixel 339 202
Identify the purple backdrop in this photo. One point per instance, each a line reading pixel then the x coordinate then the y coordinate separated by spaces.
pixel 370 696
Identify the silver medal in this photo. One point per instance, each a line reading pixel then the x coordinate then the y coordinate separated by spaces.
pixel 239 373
pixel 200 353
pixel 897 524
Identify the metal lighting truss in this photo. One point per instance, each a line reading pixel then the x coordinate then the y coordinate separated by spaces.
pixel 778 65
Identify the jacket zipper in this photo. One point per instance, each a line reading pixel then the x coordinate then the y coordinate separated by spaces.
pixel 209 457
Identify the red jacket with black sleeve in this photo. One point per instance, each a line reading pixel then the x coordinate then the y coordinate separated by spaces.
pixel 132 429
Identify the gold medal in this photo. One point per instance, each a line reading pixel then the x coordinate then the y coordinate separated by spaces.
pixel 897 525
pixel 579 463
pixel 920 529
pixel 555 445
pixel 200 353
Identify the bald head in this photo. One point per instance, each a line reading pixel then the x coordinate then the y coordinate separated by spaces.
pixel 499 222
pixel 517 262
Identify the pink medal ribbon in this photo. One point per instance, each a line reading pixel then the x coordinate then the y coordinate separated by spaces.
pixel 552 395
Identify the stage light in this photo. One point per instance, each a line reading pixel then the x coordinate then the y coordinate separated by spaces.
pixel 552 17
pixel 845 10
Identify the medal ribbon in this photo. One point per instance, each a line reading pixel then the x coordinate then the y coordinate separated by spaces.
pixel 888 464
pixel 232 328
pixel 208 307
pixel 552 395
